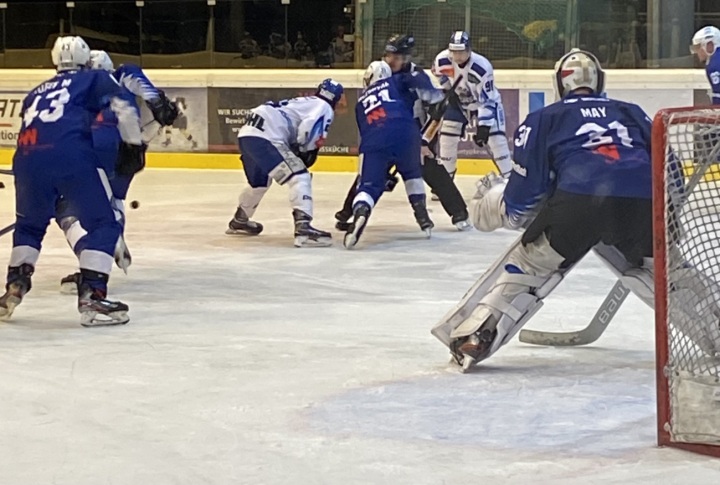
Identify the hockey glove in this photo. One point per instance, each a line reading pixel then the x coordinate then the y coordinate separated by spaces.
pixel 164 111
pixel 391 181
pixel 309 158
pixel 131 159
pixel 482 135
pixel 487 209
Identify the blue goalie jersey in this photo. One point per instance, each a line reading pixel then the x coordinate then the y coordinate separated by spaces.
pixel 582 144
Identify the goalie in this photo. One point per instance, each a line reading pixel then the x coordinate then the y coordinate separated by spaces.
pixel 586 160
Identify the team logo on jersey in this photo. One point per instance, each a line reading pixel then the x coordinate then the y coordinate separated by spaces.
pixel 28 137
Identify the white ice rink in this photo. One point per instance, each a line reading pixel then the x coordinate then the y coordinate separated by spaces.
pixel 248 361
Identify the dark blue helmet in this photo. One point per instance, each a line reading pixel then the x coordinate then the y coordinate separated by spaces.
pixel 329 90
pixel 460 41
pixel 400 44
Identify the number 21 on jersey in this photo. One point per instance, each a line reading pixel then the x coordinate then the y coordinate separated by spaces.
pixel 372 104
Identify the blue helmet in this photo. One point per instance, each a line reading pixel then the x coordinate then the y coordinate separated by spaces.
pixel 460 41
pixel 330 91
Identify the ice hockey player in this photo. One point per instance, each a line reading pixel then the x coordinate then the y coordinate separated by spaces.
pixel 55 157
pixel 110 149
pixel 280 141
pixel 705 44
pixel 583 165
pixel 479 99
pixel 398 54
pixel 389 136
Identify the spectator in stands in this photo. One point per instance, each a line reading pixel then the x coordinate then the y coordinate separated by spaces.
pixel 278 47
pixel 301 48
pixel 342 51
pixel 248 47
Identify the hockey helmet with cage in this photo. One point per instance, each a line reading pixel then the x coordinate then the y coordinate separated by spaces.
pixel 100 60
pixel 70 52
pixel 459 47
pixel 329 90
pixel 705 42
pixel 376 71
pixel 575 70
pixel 400 44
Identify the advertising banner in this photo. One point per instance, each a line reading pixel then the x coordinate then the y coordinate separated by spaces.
pixel 10 106
pixel 189 133
pixel 228 109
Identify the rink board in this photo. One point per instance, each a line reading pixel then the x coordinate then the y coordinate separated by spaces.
pixel 325 163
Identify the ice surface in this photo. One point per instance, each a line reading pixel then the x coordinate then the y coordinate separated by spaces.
pixel 248 361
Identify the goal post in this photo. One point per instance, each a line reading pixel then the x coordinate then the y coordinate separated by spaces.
pixel 686 227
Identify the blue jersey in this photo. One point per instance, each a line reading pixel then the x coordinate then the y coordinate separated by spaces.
pixel 60 112
pixel 105 132
pixel 385 108
pixel 712 69
pixel 583 145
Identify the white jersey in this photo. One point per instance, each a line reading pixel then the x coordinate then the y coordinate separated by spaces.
pixel 302 122
pixel 476 89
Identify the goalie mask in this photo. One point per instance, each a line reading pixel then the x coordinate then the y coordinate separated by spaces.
pixel 705 42
pixel 70 52
pixel 575 70
pixel 376 71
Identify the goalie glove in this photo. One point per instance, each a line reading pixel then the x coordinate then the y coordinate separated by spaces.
pixel 163 110
pixel 482 135
pixel 131 159
pixel 487 209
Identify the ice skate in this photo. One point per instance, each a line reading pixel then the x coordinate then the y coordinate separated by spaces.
pixel 308 236
pixel 462 221
pixel 360 218
pixel 19 285
pixel 474 349
pixel 69 284
pixel 241 224
pixel 342 220
pixel 422 217
pixel 122 256
pixel 96 311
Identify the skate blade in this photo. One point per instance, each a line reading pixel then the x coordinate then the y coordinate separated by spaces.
pixel 428 232
pixel 464 226
pixel 467 363
pixel 350 241
pixel 306 242
pixel 68 288
pixel 239 232
pixel 352 238
pixel 7 311
pixel 96 319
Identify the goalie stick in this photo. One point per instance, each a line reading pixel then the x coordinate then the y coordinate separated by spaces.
pixel 587 335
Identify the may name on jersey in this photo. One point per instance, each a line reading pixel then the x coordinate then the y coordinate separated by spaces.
pixel 583 145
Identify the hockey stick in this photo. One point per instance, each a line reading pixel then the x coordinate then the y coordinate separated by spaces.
pixel 7 229
pixel 431 127
pixel 587 335
pixel 5 172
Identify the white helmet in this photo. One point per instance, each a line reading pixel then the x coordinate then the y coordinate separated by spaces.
pixel 101 60
pixel 578 69
pixel 706 39
pixel 376 71
pixel 70 52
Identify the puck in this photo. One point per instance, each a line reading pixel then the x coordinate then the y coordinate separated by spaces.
pixel 2 185
pixel 134 204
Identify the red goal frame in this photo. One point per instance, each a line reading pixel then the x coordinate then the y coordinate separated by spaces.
pixel 660 127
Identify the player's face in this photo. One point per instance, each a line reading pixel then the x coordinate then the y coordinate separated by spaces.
pixel 395 61
pixel 459 57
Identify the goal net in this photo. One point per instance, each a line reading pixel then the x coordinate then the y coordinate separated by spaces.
pixel 686 212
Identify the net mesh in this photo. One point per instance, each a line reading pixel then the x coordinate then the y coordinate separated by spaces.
pixel 512 33
pixel 689 273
